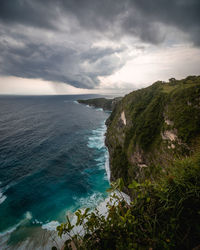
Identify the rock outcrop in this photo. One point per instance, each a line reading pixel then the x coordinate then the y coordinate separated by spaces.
pixel 104 103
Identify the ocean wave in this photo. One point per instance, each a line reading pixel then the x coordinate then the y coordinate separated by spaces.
pixel 10 230
pixel 37 222
pixel 97 201
pixel 98 109
pixel 107 166
pixel 51 226
pixel 100 159
pixel 27 216
pixel 103 208
pixel 2 196
pixel 76 102
pixel 94 201
pixel 5 236
pixel 96 140
pixel 5 188
pixel 90 201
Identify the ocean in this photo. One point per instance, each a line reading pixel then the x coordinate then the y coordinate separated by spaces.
pixel 53 161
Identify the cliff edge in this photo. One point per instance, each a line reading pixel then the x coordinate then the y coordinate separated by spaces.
pixel 151 127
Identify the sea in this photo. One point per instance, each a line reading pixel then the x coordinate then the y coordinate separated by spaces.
pixel 53 161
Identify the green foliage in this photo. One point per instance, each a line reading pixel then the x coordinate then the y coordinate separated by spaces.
pixel 161 215
pixel 104 103
pixel 164 212
pixel 119 160
pixel 146 111
pixel 146 108
pixel 184 110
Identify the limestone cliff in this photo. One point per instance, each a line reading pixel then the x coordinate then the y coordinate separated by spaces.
pixel 151 127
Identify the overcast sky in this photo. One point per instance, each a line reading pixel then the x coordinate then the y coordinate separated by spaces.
pixel 96 46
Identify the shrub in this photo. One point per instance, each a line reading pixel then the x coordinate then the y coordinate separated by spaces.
pixel 161 215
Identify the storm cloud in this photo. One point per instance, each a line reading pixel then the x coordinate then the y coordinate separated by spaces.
pixel 63 41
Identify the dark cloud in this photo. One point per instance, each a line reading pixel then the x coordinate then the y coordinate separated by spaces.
pixel 27 12
pixel 138 17
pixel 28 48
pixel 77 67
pixel 182 14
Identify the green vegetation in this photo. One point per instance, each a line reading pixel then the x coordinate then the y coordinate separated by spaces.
pixel 106 104
pixel 162 215
pixel 184 110
pixel 120 162
pixel 155 158
pixel 143 140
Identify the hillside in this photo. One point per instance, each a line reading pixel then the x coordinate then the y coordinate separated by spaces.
pixel 151 127
pixel 104 103
pixel 153 137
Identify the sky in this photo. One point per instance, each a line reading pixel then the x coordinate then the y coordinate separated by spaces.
pixel 96 46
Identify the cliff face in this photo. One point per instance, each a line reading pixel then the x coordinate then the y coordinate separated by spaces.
pixel 150 128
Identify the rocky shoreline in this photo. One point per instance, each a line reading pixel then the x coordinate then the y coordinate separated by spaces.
pixel 104 103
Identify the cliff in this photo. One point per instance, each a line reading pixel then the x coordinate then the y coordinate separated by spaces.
pixel 104 103
pixel 153 137
pixel 152 127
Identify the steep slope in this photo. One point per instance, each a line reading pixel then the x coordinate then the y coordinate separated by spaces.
pixel 153 137
pixel 151 127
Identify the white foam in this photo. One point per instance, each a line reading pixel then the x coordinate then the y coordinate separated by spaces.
pixel 102 207
pixel 97 201
pixel 99 109
pixel 100 159
pixel 91 201
pixel 76 102
pixel 10 230
pixel 97 140
pixel 107 166
pixel 51 226
pixel 2 196
pixel 27 216
pixel 36 221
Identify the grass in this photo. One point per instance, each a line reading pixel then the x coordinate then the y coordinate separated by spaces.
pixel 167 88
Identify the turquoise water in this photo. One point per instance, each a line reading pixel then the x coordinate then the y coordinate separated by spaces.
pixel 52 162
